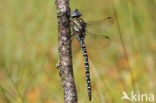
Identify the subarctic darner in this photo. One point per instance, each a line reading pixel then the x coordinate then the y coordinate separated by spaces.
pixel 79 28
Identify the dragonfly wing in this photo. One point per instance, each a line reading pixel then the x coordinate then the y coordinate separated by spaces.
pixel 97 41
pixel 75 45
pixel 100 25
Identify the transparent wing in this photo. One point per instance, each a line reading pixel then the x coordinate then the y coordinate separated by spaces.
pixel 93 40
pixel 75 45
pixel 100 26
pixel 96 41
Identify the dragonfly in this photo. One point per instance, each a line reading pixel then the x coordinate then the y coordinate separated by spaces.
pixel 80 31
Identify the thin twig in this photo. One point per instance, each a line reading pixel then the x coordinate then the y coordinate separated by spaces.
pixel 64 51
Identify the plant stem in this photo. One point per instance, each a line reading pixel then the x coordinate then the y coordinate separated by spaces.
pixel 64 51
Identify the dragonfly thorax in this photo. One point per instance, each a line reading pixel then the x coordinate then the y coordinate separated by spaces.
pixel 79 27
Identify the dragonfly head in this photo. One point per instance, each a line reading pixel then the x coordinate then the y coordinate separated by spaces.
pixel 75 13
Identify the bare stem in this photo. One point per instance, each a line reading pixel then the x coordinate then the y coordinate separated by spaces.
pixel 64 50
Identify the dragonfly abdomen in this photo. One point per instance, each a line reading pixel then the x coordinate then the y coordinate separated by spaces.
pixel 86 67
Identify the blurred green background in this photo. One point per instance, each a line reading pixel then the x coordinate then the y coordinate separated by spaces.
pixel 28 51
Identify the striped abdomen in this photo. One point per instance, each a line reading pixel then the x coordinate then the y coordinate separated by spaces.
pixel 86 67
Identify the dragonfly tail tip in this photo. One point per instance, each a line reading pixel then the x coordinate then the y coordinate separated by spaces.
pixel 90 97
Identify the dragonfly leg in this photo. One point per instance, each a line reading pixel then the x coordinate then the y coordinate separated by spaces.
pixel 72 35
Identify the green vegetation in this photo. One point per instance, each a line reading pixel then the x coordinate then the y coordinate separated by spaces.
pixel 28 51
